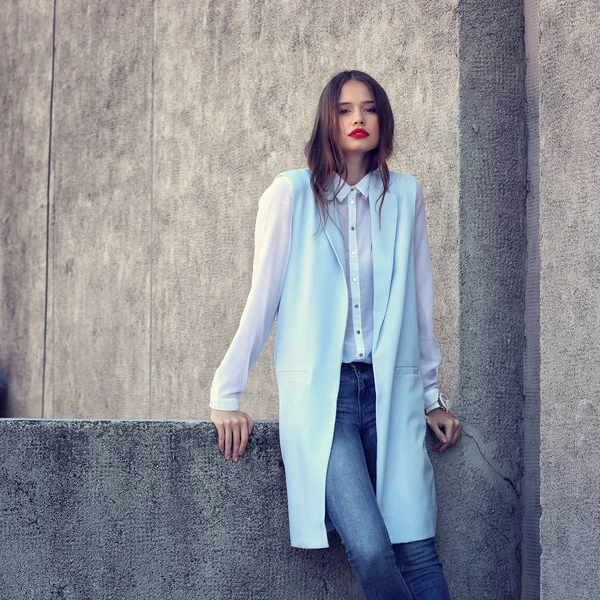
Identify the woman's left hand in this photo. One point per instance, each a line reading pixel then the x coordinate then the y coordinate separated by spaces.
pixel 446 427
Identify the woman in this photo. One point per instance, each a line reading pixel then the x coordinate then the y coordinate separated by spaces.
pixel 356 359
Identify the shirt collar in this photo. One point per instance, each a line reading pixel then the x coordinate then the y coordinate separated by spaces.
pixel 362 186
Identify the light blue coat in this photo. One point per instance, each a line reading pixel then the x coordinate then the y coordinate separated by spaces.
pixel 309 336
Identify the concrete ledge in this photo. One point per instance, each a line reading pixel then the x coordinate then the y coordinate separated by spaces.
pixel 128 509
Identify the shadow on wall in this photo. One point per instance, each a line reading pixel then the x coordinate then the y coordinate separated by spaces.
pixel 3 395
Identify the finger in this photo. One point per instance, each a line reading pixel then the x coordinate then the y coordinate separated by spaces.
pixel 221 431
pixel 450 428
pixel 442 447
pixel 228 441
pixel 438 432
pixel 251 426
pixel 457 433
pixel 236 441
pixel 244 436
pixel 452 438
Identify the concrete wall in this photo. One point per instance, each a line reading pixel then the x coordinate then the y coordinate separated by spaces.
pixel 530 498
pixel 569 289
pixel 135 142
pixel 25 105
pixel 149 510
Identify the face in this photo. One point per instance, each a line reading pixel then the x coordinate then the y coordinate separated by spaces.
pixel 357 110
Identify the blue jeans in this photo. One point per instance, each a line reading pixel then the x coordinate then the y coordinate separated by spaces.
pixel 385 571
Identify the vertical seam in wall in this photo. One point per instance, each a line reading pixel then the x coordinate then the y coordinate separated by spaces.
pixel 531 509
pixel 48 211
pixel 151 210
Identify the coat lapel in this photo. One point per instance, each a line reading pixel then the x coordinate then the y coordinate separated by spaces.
pixel 383 242
pixel 334 235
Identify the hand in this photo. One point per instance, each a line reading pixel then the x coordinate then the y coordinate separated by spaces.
pixel 446 427
pixel 234 426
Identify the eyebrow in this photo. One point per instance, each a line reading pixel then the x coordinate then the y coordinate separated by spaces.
pixel 363 102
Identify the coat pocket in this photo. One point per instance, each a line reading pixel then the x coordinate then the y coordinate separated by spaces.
pixel 291 374
pixel 295 414
pixel 406 370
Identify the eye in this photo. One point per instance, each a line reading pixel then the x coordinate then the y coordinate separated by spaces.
pixel 343 110
pixel 371 110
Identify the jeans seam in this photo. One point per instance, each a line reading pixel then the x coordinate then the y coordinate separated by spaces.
pixel 358 404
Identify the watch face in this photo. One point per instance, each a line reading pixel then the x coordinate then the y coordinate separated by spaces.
pixel 443 399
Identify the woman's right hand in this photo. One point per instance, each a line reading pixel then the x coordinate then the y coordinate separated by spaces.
pixel 234 427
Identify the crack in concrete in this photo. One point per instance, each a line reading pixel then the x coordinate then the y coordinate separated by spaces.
pixel 507 479
pixel 496 529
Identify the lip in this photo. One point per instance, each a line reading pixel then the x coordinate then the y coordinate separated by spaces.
pixel 359 132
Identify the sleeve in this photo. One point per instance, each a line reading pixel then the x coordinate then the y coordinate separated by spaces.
pixel 272 243
pixel 431 357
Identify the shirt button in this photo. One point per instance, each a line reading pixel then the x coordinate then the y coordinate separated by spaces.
pixel 351 189
pixel 352 228
pixel 354 279
pixel 351 201
pixel 353 252
pixel 358 331
pixel 360 354
pixel 356 306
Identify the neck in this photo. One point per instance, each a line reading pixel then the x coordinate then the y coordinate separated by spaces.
pixel 357 164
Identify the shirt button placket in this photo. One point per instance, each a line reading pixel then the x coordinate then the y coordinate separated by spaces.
pixel 354 284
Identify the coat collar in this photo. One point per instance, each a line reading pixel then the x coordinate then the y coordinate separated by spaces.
pixel 383 241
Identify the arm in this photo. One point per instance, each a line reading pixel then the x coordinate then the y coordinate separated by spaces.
pixel 431 357
pixel 446 426
pixel 271 251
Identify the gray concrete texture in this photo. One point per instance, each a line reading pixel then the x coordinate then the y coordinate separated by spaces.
pixel 530 496
pixel 25 91
pixel 138 138
pixel 132 510
pixel 140 509
pixel 569 306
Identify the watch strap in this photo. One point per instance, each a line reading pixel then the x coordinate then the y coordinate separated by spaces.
pixel 441 402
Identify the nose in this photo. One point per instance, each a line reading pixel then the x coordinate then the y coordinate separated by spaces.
pixel 358 118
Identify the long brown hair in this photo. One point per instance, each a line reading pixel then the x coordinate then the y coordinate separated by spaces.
pixel 323 152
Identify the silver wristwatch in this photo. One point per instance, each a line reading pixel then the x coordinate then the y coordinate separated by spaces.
pixel 441 402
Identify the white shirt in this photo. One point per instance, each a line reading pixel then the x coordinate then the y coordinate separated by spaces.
pixel 352 205
pixel 272 243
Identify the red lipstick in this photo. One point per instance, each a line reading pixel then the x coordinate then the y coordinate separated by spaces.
pixel 359 132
